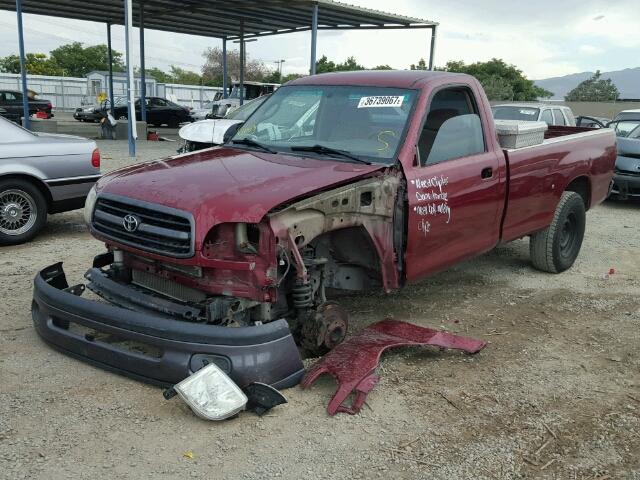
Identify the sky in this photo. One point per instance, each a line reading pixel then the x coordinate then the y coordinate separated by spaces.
pixel 545 38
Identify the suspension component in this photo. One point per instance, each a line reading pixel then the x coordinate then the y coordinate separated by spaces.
pixel 302 294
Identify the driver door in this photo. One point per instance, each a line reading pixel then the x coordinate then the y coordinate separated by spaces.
pixel 456 191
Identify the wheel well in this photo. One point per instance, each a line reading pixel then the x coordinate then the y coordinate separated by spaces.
pixel 353 261
pixel 39 184
pixel 582 187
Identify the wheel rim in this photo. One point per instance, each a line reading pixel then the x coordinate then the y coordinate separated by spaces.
pixel 18 212
pixel 568 235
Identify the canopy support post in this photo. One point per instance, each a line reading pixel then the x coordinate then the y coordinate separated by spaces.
pixel 242 54
pixel 110 55
pixel 224 68
pixel 131 111
pixel 23 67
pixel 143 81
pixel 432 50
pixel 314 39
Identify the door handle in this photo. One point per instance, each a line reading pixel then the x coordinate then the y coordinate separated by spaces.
pixel 486 172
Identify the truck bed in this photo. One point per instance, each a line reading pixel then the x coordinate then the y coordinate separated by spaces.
pixel 538 175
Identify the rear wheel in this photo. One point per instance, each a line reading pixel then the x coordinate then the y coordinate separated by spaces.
pixel 556 248
pixel 23 211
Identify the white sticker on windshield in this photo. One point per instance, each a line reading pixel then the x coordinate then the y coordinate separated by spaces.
pixel 381 101
pixel 528 112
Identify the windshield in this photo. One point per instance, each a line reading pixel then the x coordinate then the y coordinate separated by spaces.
pixel 243 112
pixel 515 113
pixel 626 128
pixel 366 122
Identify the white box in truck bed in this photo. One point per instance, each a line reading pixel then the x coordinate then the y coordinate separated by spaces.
pixel 518 133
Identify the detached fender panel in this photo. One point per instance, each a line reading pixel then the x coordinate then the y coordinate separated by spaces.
pixel 265 353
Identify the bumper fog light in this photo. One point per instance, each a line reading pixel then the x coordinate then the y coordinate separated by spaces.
pixel 211 394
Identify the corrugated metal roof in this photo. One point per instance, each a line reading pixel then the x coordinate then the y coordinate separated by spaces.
pixel 222 18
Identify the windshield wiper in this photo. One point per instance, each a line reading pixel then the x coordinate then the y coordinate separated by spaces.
pixel 252 143
pixel 323 150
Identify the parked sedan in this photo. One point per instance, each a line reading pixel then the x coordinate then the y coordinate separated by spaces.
pixel 41 174
pixel 626 177
pixel 11 101
pixel 159 111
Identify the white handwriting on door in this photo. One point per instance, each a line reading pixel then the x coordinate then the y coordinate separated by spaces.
pixel 433 198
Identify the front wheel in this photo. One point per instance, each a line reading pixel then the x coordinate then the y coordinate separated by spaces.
pixel 23 211
pixel 556 248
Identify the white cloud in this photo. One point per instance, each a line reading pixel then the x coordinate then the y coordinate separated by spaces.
pixel 544 38
pixel 590 49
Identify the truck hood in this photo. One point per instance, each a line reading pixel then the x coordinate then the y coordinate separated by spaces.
pixel 223 184
pixel 207 131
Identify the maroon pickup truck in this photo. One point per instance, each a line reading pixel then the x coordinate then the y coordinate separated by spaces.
pixel 349 181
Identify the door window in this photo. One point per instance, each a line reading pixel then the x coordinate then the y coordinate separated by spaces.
pixel 559 117
pixel 547 117
pixel 157 102
pixel 452 128
pixel 12 96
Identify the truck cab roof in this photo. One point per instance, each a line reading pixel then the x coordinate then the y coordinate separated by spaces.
pixel 381 78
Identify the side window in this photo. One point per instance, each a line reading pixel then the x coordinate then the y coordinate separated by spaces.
pixel 452 128
pixel 546 117
pixel 557 113
pixel 157 102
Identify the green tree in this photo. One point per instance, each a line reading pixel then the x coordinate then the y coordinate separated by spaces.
pixel 212 68
pixel 422 65
pixel 185 77
pixel 500 80
pixel 77 61
pixel 160 75
pixel 36 63
pixel 324 65
pixel 595 89
pixel 382 67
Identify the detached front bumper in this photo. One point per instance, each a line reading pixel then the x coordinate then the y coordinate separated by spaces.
pixel 265 353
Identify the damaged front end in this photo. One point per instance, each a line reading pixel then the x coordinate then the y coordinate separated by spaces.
pixel 241 295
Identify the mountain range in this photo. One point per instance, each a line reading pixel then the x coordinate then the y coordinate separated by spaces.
pixel 627 81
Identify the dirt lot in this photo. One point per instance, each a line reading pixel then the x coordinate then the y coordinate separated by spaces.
pixel 556 394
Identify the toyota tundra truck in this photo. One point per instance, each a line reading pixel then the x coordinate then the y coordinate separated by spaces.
pixel 350 181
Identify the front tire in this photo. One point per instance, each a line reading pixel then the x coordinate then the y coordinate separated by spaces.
pixel 556 248
pixel 23 211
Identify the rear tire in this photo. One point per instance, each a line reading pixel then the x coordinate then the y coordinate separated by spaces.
pixel 23 211
pixel 556 248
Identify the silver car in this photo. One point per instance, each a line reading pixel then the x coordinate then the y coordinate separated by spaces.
pixel 41 174
pixel 541 112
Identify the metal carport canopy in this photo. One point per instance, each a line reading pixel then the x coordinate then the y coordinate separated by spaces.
pixel 221 18
pixel 225 19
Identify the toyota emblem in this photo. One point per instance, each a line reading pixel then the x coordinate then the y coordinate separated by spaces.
pixel 130 223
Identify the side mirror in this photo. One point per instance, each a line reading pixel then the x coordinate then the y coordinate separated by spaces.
pixel 231 131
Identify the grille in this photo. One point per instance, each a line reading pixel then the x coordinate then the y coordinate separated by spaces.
pixel 158 229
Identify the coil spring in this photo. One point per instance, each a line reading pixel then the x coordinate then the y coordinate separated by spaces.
pixel 302 295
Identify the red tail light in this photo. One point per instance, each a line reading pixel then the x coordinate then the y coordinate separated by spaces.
pixel 50 105
pixel 95 158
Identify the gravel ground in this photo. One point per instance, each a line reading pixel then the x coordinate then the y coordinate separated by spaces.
pixel 555 395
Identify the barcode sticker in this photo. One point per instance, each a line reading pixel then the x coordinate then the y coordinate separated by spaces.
pixel 381 101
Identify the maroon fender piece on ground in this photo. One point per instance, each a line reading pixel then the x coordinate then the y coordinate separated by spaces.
pixel 353 362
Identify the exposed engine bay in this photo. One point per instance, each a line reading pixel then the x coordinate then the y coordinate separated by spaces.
pixel 279 268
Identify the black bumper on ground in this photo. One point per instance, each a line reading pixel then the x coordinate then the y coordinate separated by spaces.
pixel 626 184
pixel 265 353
